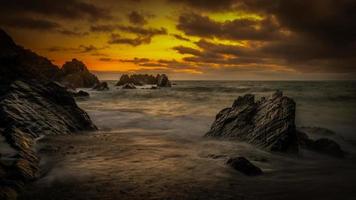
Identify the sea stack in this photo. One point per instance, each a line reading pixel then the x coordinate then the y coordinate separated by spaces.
pixel 161 80
pixel 268 123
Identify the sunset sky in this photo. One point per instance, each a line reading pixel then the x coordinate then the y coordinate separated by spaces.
pixel 192 39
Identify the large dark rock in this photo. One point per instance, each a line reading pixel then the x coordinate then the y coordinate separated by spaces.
pixel 17 63
pixel 101 86
pixel 27 111
pixel 268 123
pixel 75 74
pixel 144 79
pixel 244 166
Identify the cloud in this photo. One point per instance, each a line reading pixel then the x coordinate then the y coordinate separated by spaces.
pixel 67 9
pixel 208 5
pixel 29 23
pixel 80 49
pixel 117 39
pixel 180 37
pixel 136 18
pixel 238 29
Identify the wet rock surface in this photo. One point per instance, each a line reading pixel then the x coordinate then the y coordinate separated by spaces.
pixel 129 86
pixel 268 123
pixel 244 166
pixel 161 80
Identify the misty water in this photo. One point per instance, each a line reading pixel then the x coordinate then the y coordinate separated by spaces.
pixel 150 145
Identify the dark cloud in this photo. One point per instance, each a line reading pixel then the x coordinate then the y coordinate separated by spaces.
pixel 187 50
pixel 72 32
pixel 117 39
pixel 238 29
pixel 68 9
pixel 136 18
pixel 80 49
pixel 29 23
pixel 180 37
pixel 209 5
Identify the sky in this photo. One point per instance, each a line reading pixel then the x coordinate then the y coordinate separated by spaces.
pixel 192 39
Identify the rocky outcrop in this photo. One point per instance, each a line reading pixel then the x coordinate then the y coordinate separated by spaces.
pixel 74 74
pixel 244 166
pixel 101 86
pixel 27 111
pixel 129 86
pixel 268 123
pixel 17 63
pixel 161 80
pixel 80 93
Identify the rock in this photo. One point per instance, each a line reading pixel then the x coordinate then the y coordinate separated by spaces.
pixel 268 123
pixel 144 79
pixel 17 63
pixel 75 74
pixel 81 93
pixel 322 145
pixel 101 86
pixel 244 166
pixel 162 81
pixel 129 86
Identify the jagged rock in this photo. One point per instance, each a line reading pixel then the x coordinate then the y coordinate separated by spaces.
pixel 101 86
pixel 129 86
pixel 75 74
pixel 17 63
pixel 80 93
pixel 268 123
pixel 162 81
pixel 321 145
pixel 144 79
pixel 245 166
pixel 27 111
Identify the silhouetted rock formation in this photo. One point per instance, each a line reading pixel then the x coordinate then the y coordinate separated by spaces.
pixel 161 80
pixel 129 86
pixel 101 86
pixel 17 63
pixel 268 123
pixel 75 74
pixel 31 105
pixel 245 166
pixel 80 93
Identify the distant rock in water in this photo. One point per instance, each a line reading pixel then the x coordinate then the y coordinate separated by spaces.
pixel 161 80
pixel 268 123
pixel 80 93
pixel 75 74
pixel 129 86
pixel 245 166
pixel 101 86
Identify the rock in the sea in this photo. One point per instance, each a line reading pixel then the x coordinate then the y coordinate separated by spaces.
pixel 80 93
pixel 101 86
pixel 161 80
pixel 75 74
pixel 321 145
pixel 244 166
pixel 268 123
pixel 129 86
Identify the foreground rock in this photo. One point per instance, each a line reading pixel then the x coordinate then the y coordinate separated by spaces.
pixel 161 80
pixel 74 74
pixel 244 166
pixel 321 145
pixel 101 86
pixel 268 123
pixel 80 93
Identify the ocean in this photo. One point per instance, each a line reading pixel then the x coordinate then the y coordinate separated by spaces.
pixel 150 145
pixel 189 107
